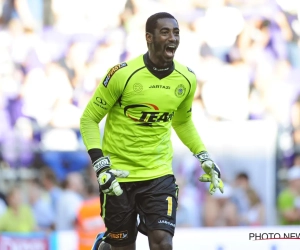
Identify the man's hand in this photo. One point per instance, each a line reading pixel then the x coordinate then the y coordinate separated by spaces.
pixel 107 176
pixel 212 173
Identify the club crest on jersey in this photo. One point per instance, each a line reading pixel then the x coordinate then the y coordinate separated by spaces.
pixel 180 90
pixel 112 71
pixel 137 87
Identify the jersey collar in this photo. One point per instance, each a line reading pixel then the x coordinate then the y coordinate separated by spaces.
pixel 158 72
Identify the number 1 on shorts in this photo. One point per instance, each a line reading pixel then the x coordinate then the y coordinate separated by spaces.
pixel 170 203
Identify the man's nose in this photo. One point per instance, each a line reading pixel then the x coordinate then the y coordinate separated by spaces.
pixel 172 37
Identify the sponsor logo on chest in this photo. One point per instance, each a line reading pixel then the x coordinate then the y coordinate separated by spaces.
pixel 147 117
pixel 158 86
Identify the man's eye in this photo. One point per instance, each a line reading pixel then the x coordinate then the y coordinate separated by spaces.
pixel 176 32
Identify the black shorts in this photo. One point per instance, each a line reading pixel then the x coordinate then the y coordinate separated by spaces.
pixel 145 205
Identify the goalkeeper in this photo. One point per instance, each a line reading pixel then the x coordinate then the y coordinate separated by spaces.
pixel 143 99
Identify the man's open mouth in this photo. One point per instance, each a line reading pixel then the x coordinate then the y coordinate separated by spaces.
pixel 170 50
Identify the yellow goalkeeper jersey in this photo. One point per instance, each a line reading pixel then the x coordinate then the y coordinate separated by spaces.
pixel 142 104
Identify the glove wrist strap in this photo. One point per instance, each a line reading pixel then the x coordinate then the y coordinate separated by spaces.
pixel 95 154
pixel 202 156
pixel 101 164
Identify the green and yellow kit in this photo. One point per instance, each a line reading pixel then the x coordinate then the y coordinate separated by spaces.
pixel 142 104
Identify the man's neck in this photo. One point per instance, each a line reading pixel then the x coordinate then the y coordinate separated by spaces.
pixel 159 72
pixel 156 64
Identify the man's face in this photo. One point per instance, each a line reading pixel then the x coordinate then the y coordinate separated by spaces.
pixel 14 199
pixel 296 183
pixel 242 183
pixel 165 40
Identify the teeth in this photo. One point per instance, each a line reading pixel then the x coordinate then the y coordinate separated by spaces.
pixel 171 46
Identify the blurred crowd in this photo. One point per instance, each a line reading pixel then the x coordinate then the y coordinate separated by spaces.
pixel 246 55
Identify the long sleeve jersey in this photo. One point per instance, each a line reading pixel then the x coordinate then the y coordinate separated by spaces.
pixel 142 104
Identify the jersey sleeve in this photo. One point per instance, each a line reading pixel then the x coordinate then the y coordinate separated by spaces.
pixel 183 124
pixel 3 222
pixel 104 98
pixel 285 201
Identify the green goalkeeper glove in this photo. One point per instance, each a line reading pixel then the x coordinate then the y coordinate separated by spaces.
pixel 107 176
pixel 212 173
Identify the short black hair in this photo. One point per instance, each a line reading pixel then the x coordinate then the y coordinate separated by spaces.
pixel 242 175
pixel 152 20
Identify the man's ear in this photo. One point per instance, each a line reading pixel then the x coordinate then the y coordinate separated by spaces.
pixel 149 37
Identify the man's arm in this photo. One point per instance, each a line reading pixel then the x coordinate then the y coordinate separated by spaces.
pixel 188 134
pixel 103 99
pixel 287 207
pixel 106 95
pixel 184 126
